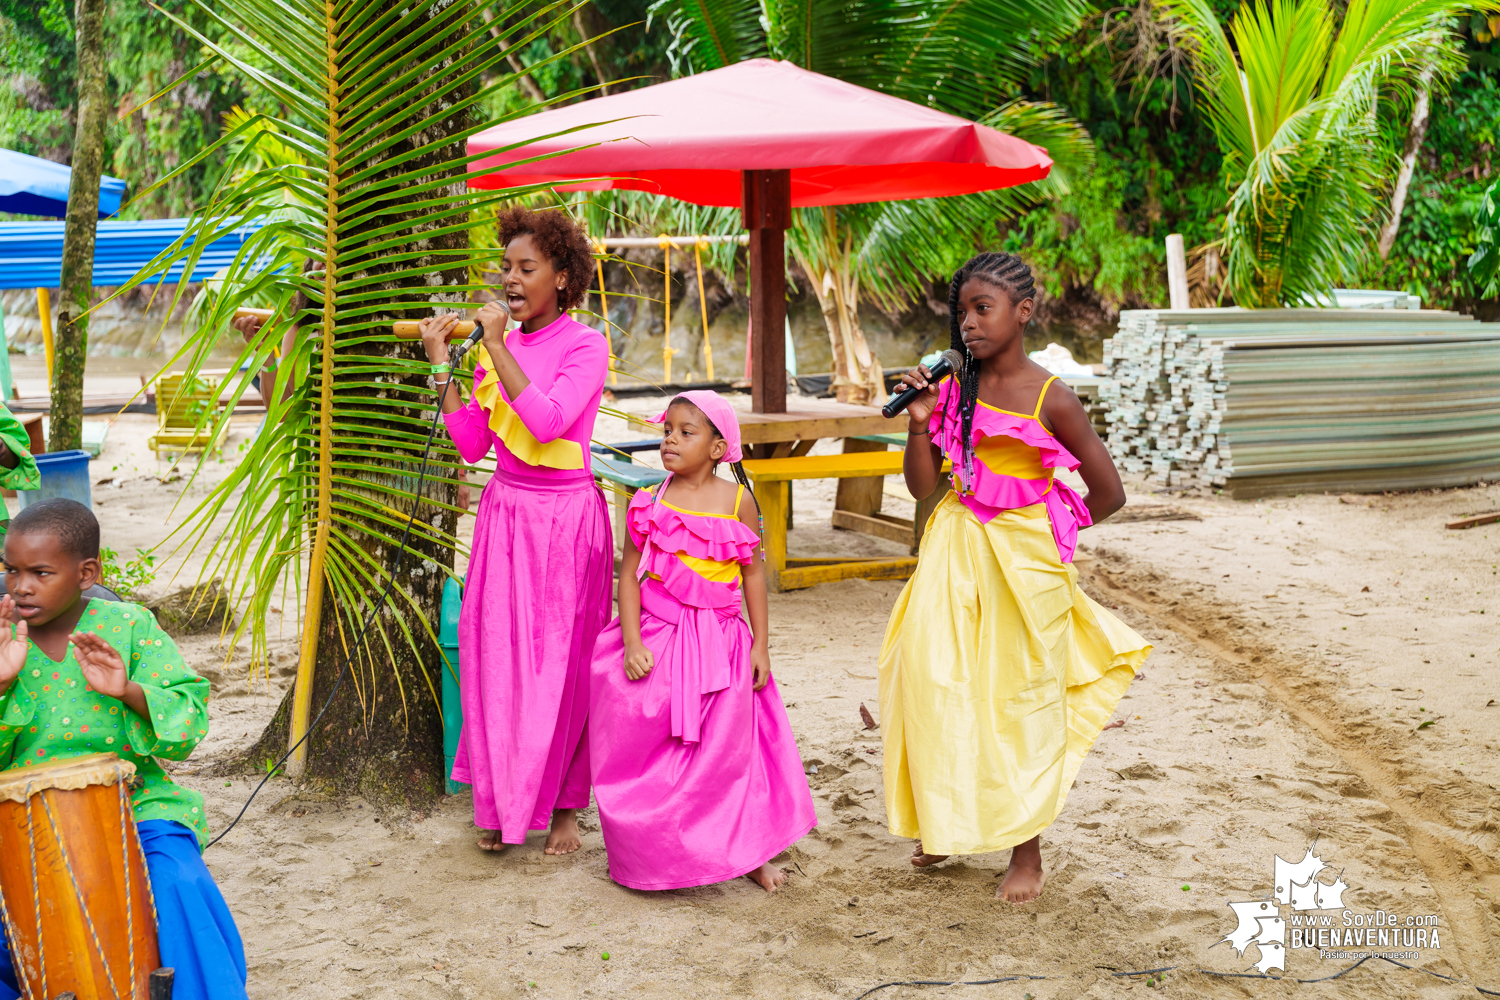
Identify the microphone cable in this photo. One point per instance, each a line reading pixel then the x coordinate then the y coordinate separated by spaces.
pixel 380 602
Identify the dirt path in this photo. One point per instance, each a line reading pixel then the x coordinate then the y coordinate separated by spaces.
pixel 1284 706
pixel 1253 732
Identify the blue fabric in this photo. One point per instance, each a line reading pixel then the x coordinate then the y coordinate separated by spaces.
pixel 9 988
pixel 195 931
pixel 30 185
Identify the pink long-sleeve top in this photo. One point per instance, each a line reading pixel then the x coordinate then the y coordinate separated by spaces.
pixel 542 434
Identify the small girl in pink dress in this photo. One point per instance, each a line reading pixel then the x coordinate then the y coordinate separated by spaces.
pixel 695 770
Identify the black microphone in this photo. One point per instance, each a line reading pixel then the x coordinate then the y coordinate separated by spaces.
pixel 472 339
pixel 949 362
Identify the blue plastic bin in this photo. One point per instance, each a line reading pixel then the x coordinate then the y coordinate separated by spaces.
pixel 64 474
pixel 453 709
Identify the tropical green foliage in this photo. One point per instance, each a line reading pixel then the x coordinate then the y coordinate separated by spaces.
pixel 1484 265
pixel 1292 102
pixel 361 175
pixel 965 57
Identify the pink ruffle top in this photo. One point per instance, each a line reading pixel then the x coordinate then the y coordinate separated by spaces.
pixel 1015 459
pixel 695 556
pixel 543 434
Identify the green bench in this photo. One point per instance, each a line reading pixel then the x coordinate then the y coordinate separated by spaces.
pixel 626 477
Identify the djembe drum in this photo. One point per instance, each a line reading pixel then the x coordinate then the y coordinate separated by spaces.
pixel 77 900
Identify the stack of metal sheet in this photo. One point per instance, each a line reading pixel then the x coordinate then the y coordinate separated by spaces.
pixel 1278 401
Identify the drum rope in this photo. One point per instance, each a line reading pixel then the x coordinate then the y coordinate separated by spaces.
pixel 87 916
pixel 36 896
pixel 125 871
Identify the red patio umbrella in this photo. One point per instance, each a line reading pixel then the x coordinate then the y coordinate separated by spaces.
pixel 766 136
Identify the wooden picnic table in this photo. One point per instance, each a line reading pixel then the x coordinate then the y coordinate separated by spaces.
pixel 793 433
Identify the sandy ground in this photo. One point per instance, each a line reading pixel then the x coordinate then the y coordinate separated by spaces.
pixel 1302 645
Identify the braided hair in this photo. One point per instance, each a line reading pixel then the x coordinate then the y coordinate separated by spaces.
pixel 1009 273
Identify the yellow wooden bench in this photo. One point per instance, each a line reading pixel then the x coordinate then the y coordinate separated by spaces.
pixel 772 479
pixel 186 413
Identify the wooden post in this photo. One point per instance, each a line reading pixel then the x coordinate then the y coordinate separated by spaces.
pixel 767 212
pixel 1177 284
pixel 160 983
pixel 860 495
pixel 44 308
pixel 774 498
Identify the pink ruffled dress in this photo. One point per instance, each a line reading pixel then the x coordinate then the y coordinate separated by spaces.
pixel 1017 461
pixel 696 774
pixel 537 591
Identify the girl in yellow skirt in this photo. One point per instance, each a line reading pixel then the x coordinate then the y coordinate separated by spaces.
pixel 997 672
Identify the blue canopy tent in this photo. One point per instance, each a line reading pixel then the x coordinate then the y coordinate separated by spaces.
pixel 31 256
pixel 31 252
pixel 30 185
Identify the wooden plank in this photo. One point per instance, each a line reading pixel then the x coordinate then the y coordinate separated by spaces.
pixel 839 420
pixel 872 569
pixel 895 529
pixel 860 495
pixel 1474 520
pixel 886 463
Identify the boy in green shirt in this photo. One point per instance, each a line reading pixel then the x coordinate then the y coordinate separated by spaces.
pixel 81 676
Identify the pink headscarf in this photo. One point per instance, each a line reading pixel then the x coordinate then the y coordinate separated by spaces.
pixel 717 409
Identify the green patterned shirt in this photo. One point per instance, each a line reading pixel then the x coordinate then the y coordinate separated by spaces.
pixel 50 713
pixel 25 475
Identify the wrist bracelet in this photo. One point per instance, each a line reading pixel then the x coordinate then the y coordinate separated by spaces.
pixel 442 369
pixel 924 432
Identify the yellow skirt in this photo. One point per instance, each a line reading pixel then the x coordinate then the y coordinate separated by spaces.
pixel 996 675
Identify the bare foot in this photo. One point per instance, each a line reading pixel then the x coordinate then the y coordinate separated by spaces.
pixel 922 860
pixel 491 841
pixel 1024 879
pixel 564 837
pixel 767 877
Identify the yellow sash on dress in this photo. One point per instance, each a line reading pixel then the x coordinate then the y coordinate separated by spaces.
pixel 558 454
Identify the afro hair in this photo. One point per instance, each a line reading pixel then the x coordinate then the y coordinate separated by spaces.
pixel 560 238
pixel 71 522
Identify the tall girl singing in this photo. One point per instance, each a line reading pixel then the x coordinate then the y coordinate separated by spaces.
pixel 997 672
pixel 537 593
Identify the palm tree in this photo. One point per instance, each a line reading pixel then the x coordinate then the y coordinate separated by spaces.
pixel 363 176
pixel 961 56
pixel 1291 95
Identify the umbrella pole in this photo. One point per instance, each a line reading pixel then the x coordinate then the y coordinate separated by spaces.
pixel 767 211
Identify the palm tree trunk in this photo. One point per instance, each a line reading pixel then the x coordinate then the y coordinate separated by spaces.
pixel 66 421
pixel 382 734
pixel 857 375
pixel 1415 133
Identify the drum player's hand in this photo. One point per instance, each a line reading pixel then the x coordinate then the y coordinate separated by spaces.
pixel 101 665
pixel 13 648
pixel 107 673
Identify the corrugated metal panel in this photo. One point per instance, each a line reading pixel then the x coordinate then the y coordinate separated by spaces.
pixel 1288 401
pixel 31 252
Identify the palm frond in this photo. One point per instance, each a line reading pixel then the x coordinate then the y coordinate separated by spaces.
pixel 710 34
pixel 363 176
pixel 1293 114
